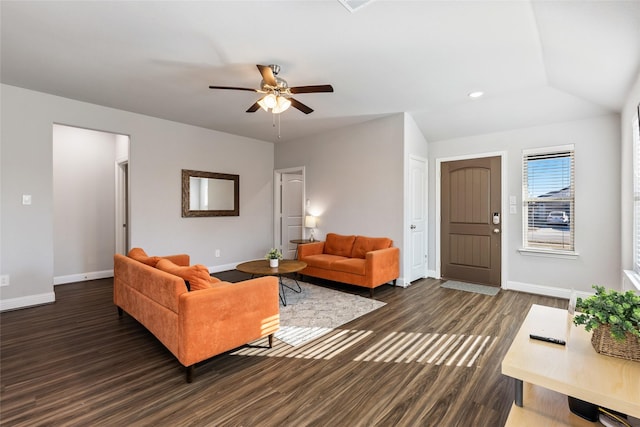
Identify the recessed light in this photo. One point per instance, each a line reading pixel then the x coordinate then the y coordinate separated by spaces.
pixel 475 95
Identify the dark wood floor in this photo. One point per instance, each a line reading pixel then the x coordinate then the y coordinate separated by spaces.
pixel 75 362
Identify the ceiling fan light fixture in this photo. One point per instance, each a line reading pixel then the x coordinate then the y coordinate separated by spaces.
pixel 270 100
pixel 282 105
pixel 262 105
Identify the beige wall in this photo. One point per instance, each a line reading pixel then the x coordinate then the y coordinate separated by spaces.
pixel 159 150
pixel 355 177
pixel 597 154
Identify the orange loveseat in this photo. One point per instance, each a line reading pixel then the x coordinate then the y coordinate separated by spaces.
pixel 198 324
pixel 357 260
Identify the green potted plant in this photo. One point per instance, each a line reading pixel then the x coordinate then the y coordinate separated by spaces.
pixel 614 318
pixel 274 256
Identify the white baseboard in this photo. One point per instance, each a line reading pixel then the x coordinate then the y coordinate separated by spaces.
pixel 28 301
pixel 432 274
pixel 81 277
pixel 402 282
pixel 549 291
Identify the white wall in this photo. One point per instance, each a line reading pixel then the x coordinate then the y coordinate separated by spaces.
pixel 83 203
pixel 122 148
pixel 159 149
pixel 354 177
pixel 414 141
pixel 597 154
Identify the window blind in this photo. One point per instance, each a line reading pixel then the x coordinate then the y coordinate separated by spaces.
pixel 548 196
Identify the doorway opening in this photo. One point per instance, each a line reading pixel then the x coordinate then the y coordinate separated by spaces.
pixel 87 199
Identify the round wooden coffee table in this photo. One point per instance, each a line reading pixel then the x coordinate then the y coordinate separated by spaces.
pixel 261 267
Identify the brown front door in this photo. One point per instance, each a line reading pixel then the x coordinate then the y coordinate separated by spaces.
pixel 471 220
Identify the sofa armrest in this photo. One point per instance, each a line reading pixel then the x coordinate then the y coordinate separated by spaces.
pixel 307 249
pixel 219 319
pixel 178 259
pixel 382 265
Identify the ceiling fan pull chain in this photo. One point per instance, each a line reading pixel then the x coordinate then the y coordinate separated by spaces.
pixel 278 126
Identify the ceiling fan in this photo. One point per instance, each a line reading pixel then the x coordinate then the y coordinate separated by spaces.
pixel 277 92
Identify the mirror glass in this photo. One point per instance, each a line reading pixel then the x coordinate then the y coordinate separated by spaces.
pixel 210 194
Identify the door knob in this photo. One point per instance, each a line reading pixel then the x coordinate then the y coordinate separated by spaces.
pixel 413 227
pixel 496 230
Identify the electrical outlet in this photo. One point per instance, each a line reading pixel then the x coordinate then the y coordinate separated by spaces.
pixel 217 253
pixel 4 280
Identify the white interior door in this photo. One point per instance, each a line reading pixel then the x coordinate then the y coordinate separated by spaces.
pixel 292 212
pixel 418 218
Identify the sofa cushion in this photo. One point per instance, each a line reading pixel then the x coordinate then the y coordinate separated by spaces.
pixel 336 244
pixel 140 255
pixel 350 265
pixel 362 245
pixel 197 275
pixel 322 260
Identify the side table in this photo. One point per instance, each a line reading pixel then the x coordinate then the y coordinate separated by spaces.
pixel 298 242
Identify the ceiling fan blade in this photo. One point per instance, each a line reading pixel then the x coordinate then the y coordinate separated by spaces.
pixel 267 75
pixel 300 106
pixel 255 107
pixel 311 89
pixel 233 88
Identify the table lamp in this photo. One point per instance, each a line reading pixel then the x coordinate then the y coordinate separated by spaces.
pixel 310 222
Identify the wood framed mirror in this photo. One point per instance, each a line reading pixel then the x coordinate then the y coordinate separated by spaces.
pixel 210 194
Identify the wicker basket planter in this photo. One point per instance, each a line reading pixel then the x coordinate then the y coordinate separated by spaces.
pixel 604 343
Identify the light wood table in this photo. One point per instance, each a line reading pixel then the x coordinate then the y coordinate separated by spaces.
pixel 571 370
pixel 286 266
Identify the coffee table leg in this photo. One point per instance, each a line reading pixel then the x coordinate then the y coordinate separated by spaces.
pixel 283 297
pixel 289 287
pixel 518 392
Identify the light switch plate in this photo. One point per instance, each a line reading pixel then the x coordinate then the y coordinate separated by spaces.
pixel 26 199
pixel 512 200
pixel 513 209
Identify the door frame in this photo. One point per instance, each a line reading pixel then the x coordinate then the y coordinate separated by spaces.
pixel 503 205
pixel 123 239
pixel 277 179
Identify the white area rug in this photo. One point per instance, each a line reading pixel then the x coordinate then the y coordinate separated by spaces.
pixel 471 287
pixel 317 311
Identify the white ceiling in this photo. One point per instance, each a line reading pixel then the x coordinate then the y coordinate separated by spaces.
pixel 538 62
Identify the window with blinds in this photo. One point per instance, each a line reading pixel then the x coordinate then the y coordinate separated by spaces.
pixel 548 196
pixel 636 193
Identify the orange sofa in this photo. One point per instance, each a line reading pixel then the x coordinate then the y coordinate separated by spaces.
pixel 195 325
pixel 357 260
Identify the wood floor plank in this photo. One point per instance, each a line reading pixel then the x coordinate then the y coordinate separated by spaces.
pixel 75 362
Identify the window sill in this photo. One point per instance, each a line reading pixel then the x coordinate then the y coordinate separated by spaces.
pixel 548 253
pixel 632 280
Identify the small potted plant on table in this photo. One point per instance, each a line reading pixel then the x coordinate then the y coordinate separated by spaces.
pixel 614 318
pixel 274 256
